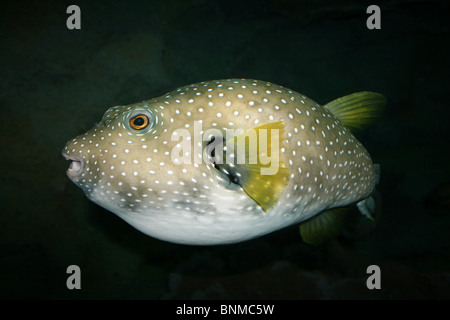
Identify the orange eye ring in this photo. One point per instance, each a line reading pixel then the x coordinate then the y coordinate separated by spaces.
pixel 139 122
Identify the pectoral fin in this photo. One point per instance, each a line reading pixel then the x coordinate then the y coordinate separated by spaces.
pixel 255 163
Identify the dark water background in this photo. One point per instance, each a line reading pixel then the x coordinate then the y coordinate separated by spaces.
pixel 56 83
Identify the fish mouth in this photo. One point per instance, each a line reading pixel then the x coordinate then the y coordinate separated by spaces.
pixel 76 167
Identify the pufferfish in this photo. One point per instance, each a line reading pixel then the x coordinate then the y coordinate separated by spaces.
pixel 225 161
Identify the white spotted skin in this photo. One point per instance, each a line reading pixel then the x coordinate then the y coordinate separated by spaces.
pixel 133 175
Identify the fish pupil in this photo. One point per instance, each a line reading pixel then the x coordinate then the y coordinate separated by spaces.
pixel 138 121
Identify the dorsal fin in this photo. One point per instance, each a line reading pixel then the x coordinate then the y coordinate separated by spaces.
pixel 358 110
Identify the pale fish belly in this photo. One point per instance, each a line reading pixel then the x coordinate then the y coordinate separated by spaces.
pixel 231 219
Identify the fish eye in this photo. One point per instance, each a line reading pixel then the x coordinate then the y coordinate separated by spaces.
pixel 139 121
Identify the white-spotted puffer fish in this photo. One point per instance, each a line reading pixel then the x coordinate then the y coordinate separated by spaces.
pixel 226 161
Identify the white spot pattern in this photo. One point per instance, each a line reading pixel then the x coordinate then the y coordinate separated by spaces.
pixel 128 172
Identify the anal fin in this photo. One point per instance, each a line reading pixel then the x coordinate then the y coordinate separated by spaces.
pixel 324 226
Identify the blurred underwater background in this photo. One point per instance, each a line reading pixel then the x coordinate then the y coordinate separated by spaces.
pixel 57 83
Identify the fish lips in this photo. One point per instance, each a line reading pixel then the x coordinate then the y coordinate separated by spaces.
pixel 76 167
